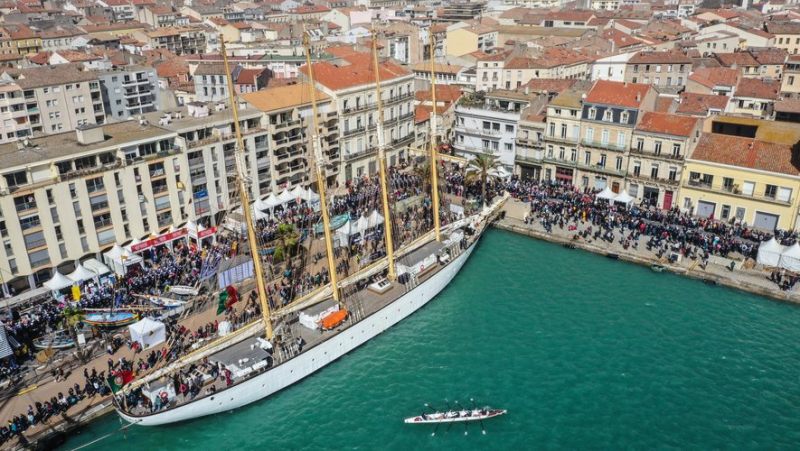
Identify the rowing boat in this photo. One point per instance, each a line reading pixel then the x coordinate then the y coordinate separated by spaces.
pixel 110 320
pixel 166 303
pixel 183 290
pixel 456 416
pixel 336 222
pixel 55 340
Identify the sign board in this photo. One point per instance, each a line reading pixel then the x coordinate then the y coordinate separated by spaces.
pixel 235 274
pixel 81 340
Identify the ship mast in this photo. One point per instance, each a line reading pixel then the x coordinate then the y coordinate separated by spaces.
pixel 387 221
pixel 248 217
pixel 316 151
pixel 434 160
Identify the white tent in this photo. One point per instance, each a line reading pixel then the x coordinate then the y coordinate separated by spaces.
pixel 312 199
pixel 119 258
pixel 606 194
pixel 133 243
pixel 624 198
pixel 99 268
pixel 299 192
pixel 769 253
pixel 148 333
pixel 262 205
pixel 82 274
pixel 790 258
pixel 360 226
pixel 286 196
pixel 58 282
pixel 272 201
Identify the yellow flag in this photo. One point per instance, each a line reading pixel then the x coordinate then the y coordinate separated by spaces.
pixel 76 293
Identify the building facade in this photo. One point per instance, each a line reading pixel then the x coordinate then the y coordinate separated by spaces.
pixel 130 92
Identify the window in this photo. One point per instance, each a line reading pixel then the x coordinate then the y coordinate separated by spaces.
pixel 587 158
pixel 673 173
pixel 485 144
pixel 508 147
pixel 727 184
pixel 624 117
pixel 618 164
pixel 563 130
pixel 561 152
pixel 605 136
pixel 771 191
pixel 676 150
pixel 639 144
pixel 740 211
pixel 602 162
pixel 621 140
pixel 657 147
pixel 607 116
pixel 784 194
pixel 637 168
pixel 592 113
pixel 590 134
pixel 573 155
pixel 509 128
pixel 654 171
pixel 748 188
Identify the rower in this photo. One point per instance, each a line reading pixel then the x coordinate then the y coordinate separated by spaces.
pixel 424 417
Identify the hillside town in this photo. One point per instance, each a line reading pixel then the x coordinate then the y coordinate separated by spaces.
pixel 118 139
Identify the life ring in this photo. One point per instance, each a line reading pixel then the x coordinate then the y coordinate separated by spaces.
pixel 184 388
pixel 163 395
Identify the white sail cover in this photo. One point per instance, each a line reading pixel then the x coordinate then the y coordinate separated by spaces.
pixel 58 282
pixel 82 274
pixel 606 194
pixel 624 198
pixel 790 258
pixel 148 333
pixel 769 253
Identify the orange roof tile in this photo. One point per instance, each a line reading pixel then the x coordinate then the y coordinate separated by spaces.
pixel 745 153
pixel 701 104
pixel 667 124
pixel 360 71
pixel 628 95
pixel 757 88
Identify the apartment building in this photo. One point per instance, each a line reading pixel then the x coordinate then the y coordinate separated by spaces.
pixel 790 82
pixel 178 40
pixel 742 170
pixel 660 145
pixel 661 69
pixel 489 124
pixel 288 117
pixel 609 114
pixel 471 38
pixel 59 98
pixel 754 97
pixel 130 91
pixel 211 82
pixel 206 131
pixel 13 112
pixel 351 86
pixel 562 136
pixel 530 145
pixel 787 35
pixel 96 186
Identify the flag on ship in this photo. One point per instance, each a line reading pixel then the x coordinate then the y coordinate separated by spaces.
pixel 117 380
pixel 227 298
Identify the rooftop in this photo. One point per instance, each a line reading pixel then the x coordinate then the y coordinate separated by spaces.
pixel 283 97
pixel 701 104
pixel 569 98
pixel 757 88
pixel 358 70
pixel 630 95
pixel 746 153
pixel 36 77
pixel 667 124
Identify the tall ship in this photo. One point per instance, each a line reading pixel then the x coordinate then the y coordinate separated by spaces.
pixel 295 340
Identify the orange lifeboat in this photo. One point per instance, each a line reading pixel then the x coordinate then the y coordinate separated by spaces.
pixel 334 319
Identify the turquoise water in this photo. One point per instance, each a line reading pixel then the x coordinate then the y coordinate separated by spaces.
pixel 583 351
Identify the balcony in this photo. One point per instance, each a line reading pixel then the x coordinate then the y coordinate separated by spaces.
pixel 40 262
pixel 652 154
pixel 562 139
pixel 290 169
pixel 653 180
pixel 283 142
pixel 604 145
pixel 99 206
pixel 602 169
pixel 735 192
pixel 195 162
pixel 361 154
pixel 404 140
pixel 560 161
pixel 134 82
pixel 478 131
pixel 529 159
pixel 353 131
pixel 286 125
pixel 289 155
pixel 25 206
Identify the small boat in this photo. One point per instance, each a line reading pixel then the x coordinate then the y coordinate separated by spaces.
pixel 569 246
pixel 184 290
pixel 613 256
pixel 657 267
pixel 456 416
pixel 333 320
pixel 166 303
pixel 335 223
pixel 109 320
pixel 55 340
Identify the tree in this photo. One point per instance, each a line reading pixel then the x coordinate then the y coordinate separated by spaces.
pixel 423 171
pixel 481 169
pixel 288 239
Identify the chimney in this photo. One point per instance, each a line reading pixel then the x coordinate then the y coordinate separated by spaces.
pixel 638 96
pixel 90 134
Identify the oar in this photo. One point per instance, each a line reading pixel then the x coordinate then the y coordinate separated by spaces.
pixel 437 424
pixel 466 422
pixel 452 421
pixel 479 415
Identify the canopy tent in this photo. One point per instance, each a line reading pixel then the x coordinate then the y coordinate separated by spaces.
pixel 99 268
pixel 769 253
pixel 624 198
pixel 134 242
pixel 82 274
pixel 790 258
pixel 286 196
pixel 119 258
pixel 148 333
pixel 312 199
pixel 361 225
pixel 299 192
pixel 58 282
pixel 606 194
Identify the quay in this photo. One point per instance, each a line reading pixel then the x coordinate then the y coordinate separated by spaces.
pixel 717 272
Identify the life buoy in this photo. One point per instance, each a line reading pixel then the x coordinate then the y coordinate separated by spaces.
pixel 163 395
pixel 184 388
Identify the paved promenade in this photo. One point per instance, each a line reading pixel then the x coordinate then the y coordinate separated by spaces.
pixel 717 271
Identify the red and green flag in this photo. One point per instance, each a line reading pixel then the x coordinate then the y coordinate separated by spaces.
pixel 227 298
pixel 119 379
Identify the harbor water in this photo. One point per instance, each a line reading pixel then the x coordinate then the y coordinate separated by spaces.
pixel 583 351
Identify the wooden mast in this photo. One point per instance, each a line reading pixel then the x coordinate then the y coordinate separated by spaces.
pixel 316 151
pixel 387 219
pixel 434 160
pixel 248 217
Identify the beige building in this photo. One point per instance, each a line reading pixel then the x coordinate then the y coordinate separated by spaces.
pixel 661 69
pixel 562 136
pixel 787 35
pixel 58 98
pixel 351 86
pixel 660 144
pixel 470 38
pixel 790 82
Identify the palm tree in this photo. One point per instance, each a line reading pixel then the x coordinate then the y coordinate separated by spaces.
pixel 423 171
pixel 288 239
pixel 481 169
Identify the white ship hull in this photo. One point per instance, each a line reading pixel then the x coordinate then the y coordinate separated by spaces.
pixel 306 363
